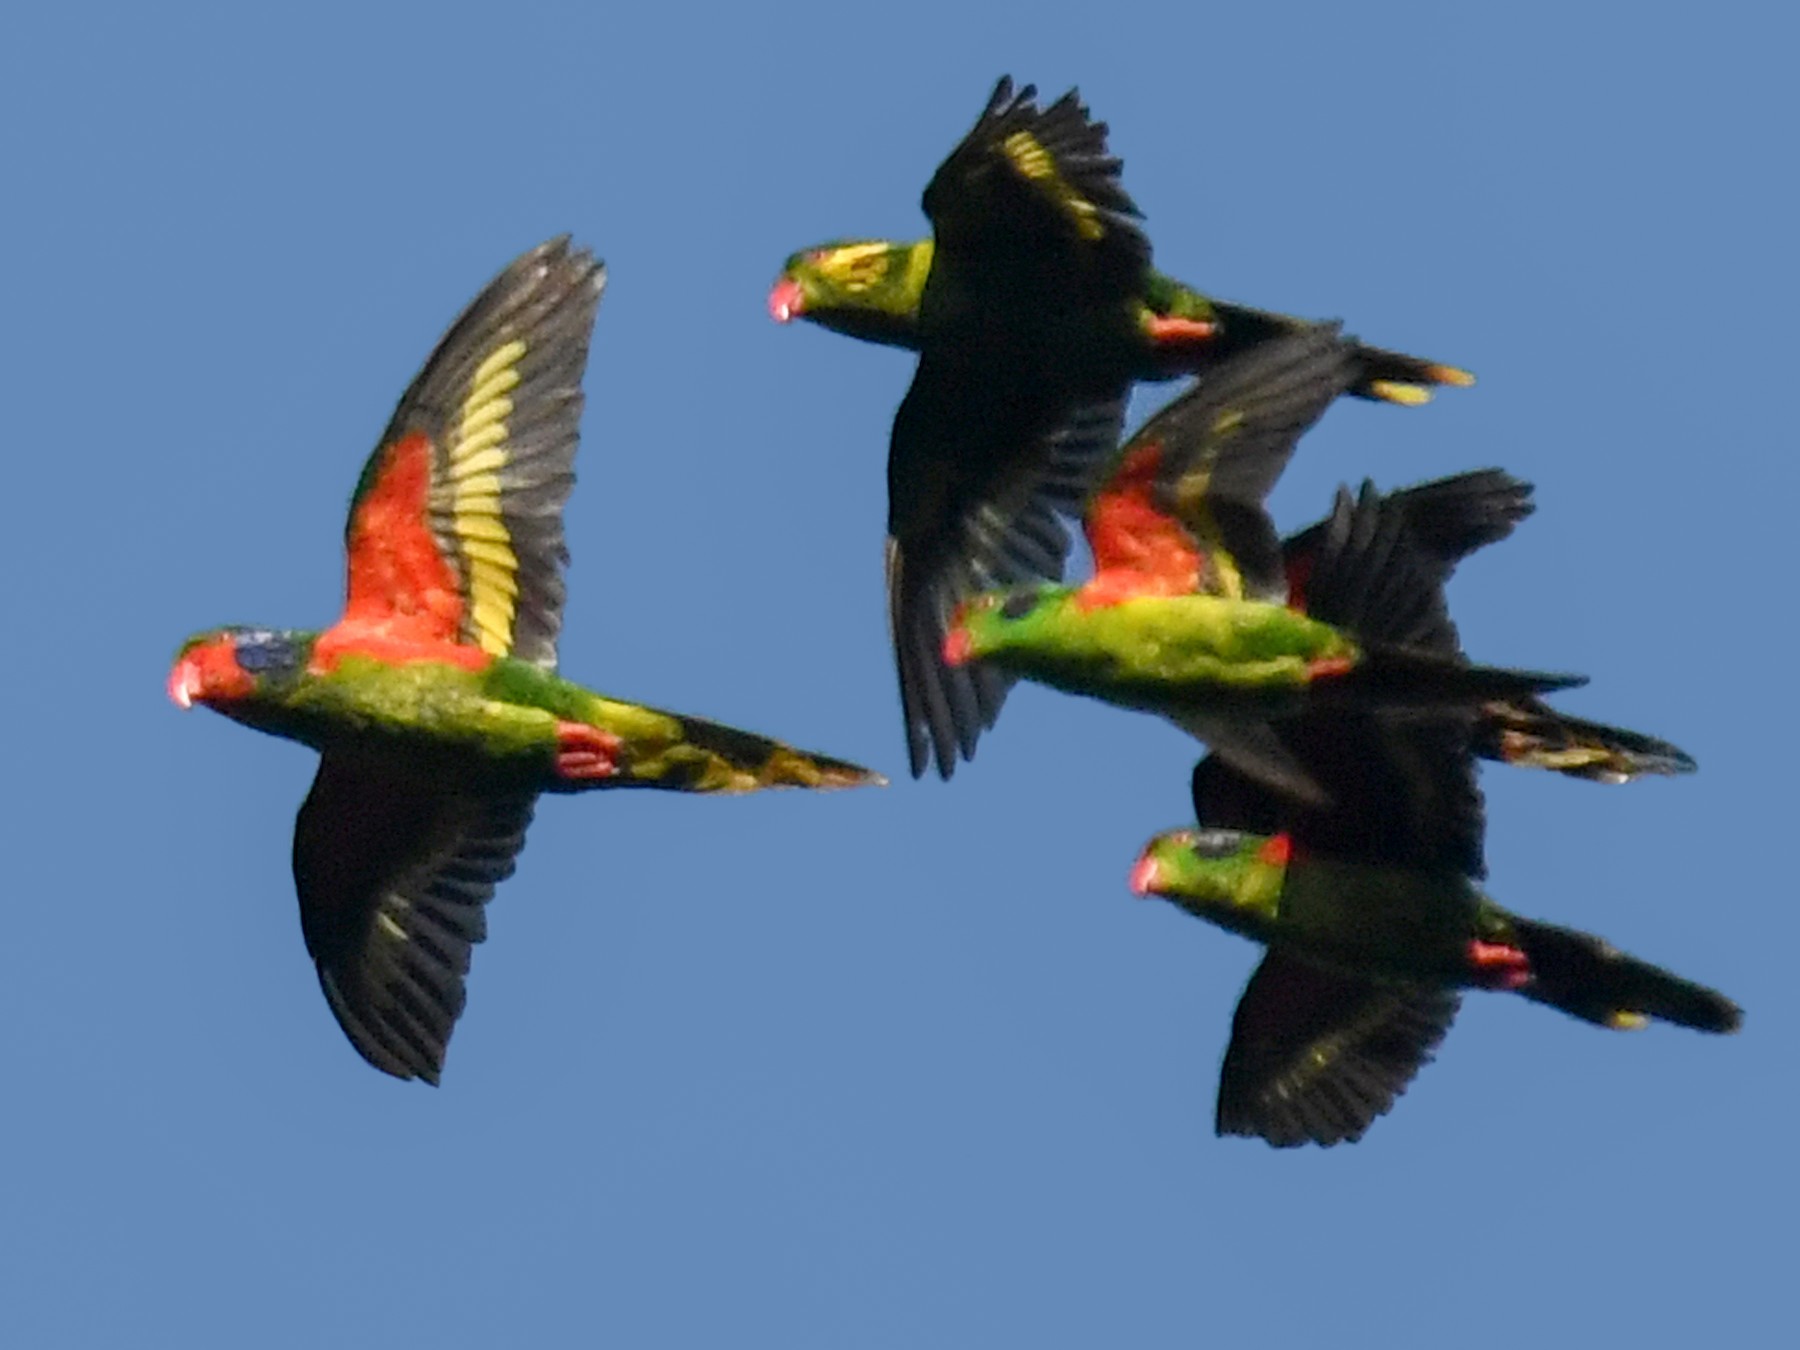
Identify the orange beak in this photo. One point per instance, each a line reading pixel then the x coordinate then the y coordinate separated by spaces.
pixel 786 300
pixel 1145 876
pixel 185 682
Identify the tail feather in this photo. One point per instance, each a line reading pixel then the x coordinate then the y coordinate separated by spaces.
pixel 1588 978
pixel 1526 732
pixel 1383 375
pixel 1399 677
pixel 712 757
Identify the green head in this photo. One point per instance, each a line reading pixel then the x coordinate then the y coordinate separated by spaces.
pixel 1229 877
pixel 866 289
pixel 1023 624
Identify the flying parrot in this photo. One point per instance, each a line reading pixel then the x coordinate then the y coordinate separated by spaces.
pixel 1370 909
pixel 434 701
pixel 1033 308
pixel 1191 613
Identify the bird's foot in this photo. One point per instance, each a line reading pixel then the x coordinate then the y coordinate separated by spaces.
pixel 584 753
pixel 1498 965
pixel 1167 331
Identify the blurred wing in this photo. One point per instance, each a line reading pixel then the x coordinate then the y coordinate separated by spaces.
pixel 1214 455
pixel 976 482
pixel 455 531
pixel 1316 1057
pixel 1035 193
pixel 393 873
pixel 1446 519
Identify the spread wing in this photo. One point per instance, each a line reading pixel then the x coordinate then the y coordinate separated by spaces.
pixel 969 521
pixel 1016 404
pixel 1033 196
pixel 1316 1057
pixel 455 531
pixel 393 872
pixel 1183 506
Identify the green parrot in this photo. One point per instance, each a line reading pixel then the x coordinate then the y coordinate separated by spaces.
pixel 1033 309
pixel 434 701
pixel 1191 612
pixel 1371 912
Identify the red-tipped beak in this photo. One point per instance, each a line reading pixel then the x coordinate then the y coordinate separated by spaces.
pixel 958 647
pixel 184 683
pixel 786 301
pixel 1145 876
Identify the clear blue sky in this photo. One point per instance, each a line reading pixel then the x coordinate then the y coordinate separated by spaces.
pixel 882 1069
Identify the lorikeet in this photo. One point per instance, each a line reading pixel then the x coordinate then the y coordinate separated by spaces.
pixel 1032 309
pixel 434 701
pixel 1188 612
pixel 1370 908
pixel 1181 510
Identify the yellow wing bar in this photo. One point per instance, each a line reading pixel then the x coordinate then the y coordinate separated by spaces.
pixel 478 454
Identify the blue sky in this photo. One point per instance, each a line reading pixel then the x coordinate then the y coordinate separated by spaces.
pixel 876 1069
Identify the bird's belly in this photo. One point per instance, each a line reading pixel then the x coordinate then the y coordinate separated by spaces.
pixel 1382 921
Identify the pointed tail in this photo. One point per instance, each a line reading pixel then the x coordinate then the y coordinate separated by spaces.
pixel 1386 376
pixel 1590 979
pixel 712 757
pixel 1402 677
pixel 1526 732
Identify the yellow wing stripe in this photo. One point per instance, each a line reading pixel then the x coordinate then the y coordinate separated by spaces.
pixel 1036 163
pixel 1195 509
pixel 477 458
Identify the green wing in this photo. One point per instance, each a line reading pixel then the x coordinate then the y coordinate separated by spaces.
pixel 1315 1057
pixel 455 531
pixel 393 872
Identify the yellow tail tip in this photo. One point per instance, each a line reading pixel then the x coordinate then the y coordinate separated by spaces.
pixel 1627 1021
pixel 1406 395
pixel 1454 375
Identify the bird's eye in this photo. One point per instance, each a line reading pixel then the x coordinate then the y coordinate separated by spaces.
pixel 1019 604
pixel 264 652
pixel 1217 843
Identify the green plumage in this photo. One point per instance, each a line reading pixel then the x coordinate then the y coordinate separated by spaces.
pixel 497 728
pixel 1412 926
pixel 870 289
pixel 1223 669
pixel 435 702
pixel 1033 308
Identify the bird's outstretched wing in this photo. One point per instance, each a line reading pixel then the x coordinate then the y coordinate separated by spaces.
pixel 1182 507
pixel 455 530
pixel 393 871
pixel 1034 194
pixel 1315 1056
pixel 1011 413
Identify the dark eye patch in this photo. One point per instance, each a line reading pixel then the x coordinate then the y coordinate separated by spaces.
pixel 260 653
pixel 1019 604
pixel 1217 843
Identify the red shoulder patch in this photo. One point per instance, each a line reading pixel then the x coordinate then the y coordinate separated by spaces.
pixel 1138 548
pixel 400 583
pixel 1277 852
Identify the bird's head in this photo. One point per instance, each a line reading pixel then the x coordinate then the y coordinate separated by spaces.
pixel 868 289
pixel 997 623
pixel 1231 877
pixel 228 667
